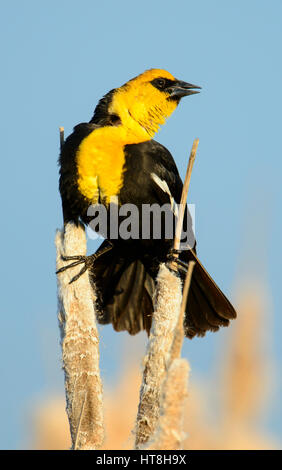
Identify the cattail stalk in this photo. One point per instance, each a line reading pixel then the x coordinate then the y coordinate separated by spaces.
pixel 168 301
pixel 169 434
pixel 79 342
pixel 165 377
pixel 80 345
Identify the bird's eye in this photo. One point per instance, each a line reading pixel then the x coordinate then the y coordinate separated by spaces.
pixel 160 83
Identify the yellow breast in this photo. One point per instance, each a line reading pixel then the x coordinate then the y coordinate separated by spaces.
pixel 100 163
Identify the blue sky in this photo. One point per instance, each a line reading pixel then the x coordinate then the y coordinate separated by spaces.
pixel 58 59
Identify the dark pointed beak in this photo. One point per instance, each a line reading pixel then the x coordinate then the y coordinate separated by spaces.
pixel 180 89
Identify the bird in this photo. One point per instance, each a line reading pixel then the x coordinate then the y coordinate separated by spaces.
pixel 114 158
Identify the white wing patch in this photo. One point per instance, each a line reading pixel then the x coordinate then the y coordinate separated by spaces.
pixel 164 186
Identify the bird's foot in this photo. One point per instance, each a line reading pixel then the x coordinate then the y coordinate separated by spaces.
pixel 82 259
pixel 174 263
pixel 79 259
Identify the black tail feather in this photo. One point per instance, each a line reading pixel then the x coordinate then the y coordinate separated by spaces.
pixel 126 287
pixel 207 307
pixel 125 292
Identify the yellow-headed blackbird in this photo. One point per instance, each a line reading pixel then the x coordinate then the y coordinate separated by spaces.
pixel 113 157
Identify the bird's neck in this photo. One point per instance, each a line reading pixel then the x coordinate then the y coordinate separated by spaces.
pixel 141 116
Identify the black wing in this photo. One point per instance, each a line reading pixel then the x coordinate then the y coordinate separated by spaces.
pixel 151 177
pixel 142 160
pixel 72 201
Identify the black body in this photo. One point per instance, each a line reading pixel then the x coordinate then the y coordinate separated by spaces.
pixel 125 275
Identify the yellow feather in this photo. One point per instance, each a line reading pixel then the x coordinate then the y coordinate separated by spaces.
pixel 142 108
pixel 100 161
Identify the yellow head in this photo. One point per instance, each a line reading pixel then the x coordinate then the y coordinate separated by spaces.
pixel 143 104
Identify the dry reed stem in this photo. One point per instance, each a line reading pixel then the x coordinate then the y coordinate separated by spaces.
pixel 156 361
pixel 179 329
pixel 62 136
pixel 80 345
pixel 169 434
pixel 183 202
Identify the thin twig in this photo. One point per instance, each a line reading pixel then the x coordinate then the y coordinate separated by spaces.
pixel 179 330
pixel 76 440
pixel 183 201
pixel 62 137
